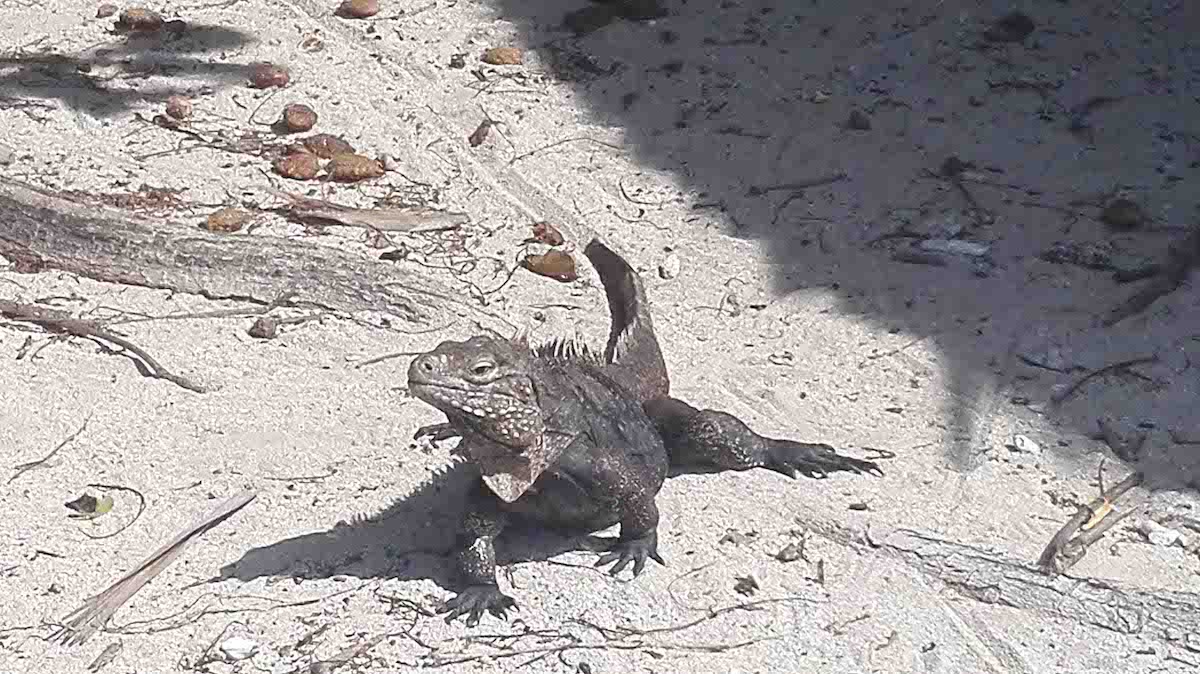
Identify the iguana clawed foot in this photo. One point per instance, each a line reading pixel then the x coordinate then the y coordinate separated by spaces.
pixel 815 460
pixel 476 599
pixel 635 550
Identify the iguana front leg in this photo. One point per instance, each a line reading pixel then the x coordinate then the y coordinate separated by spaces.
pixel 626 488
pixel 476 561
pixel 696 437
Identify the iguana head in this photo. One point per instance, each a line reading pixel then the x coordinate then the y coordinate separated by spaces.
pixel 483 383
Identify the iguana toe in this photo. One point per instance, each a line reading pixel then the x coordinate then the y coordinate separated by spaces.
pixel 636 551
pixel 815 460
pixel 476 599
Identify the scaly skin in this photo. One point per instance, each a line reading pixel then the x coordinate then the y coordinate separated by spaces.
pixel 581 441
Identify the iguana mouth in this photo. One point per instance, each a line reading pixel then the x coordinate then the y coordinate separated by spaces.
pixel 472 402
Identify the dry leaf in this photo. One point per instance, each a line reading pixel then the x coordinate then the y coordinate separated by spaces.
pixel 408 219
pixel 88 507
pixel 502 56
pixel 554 264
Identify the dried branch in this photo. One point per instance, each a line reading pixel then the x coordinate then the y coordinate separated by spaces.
pixel 1088 525
pixel 1061 396
pixel 63 323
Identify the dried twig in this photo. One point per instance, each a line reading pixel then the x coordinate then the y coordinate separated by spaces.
pixel 1091 522
pixel 63 323
pixel 41 463
pixel 347 654
pixel 82 623
pixel 1061 396
pixel 758 190
pixel 614 638
pixel 386 356
pixel 581 139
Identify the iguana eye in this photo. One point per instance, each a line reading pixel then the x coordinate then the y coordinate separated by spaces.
pixel 482 368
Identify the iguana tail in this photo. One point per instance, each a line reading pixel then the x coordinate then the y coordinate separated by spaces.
pixel 632 346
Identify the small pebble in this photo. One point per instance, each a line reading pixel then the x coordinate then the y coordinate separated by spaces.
pixel 791 553
pixel 955 247
pixel 1159 535
pixel 1123 214
pixel 1021 443
pixel 179 107
pixel 670 267
pixel 238 648
pixel 858 121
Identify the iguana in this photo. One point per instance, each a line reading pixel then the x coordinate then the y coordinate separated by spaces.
pixel 579 440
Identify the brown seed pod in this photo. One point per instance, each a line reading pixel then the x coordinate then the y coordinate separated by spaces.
pixel 327 146
pixel 266 75
pixel 358 9
pixel 544 232
pixel 106 10
pixel 139 20
pixel 227 220
pixel 298 117
pixel 555 264
pixel 503 56
pixel 179 107
pixel 349 168
pixel 298 166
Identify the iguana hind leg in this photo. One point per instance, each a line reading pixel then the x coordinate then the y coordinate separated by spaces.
pixel 718 439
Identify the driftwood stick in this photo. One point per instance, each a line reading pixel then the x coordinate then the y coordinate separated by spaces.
pixel 41 230
pixel 992 577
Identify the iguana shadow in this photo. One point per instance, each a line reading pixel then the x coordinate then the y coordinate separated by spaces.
pixel 411 539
